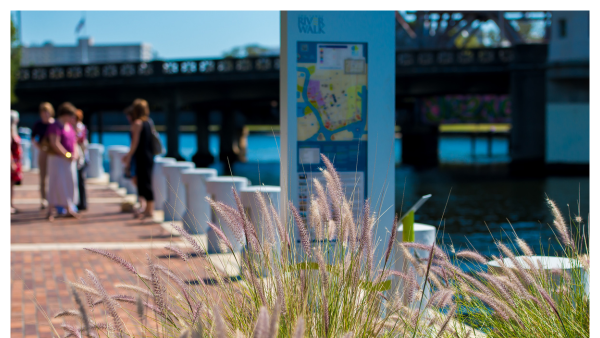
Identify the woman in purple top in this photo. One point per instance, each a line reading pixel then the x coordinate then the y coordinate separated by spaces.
pixel 62 161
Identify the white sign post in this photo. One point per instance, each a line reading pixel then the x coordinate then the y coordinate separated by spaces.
pixel 337 88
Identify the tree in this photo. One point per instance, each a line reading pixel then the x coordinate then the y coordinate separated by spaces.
pixel 15 60
pixel 246 51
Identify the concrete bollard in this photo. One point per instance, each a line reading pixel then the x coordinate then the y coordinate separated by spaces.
pixel 26 154
pixel 159 182
pixel 123 182
pixel 198 209
pixel 35 152
pixel 219 189
pixel 175 204
pixel 271 194
pixel 550 264
pixel 424 234
pixel 115 165
pixel 96 154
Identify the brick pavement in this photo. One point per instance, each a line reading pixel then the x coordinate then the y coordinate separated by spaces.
pixel 38 277
pixel 100 223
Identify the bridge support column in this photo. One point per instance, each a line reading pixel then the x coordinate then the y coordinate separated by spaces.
pixel 232 129
pixel 203 158
pixel 172 122
pixel 100 126
pixel 528 106
pixel 420 145
pixel 87 121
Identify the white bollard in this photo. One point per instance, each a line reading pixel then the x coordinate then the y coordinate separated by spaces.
pixel 198 209
pixel 219 189
pixel 123 181
pixel 115 165
pixel 424 234
pixel 35 151
pixel 175 205
pixel 271 194
pixel 25 155
pixel 95 167
pixel 551 264
pixel 159 182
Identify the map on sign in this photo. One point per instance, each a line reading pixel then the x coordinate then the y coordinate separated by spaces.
pixel 332 91
pixel 331 101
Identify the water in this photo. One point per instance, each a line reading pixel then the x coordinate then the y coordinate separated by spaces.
pixel 482 201
pixel 264 148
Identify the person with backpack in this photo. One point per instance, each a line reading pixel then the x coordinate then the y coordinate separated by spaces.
pixel 142 152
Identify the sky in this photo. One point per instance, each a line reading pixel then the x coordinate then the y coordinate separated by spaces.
pixel 173 35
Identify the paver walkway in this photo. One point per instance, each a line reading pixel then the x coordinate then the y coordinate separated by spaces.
pixel 44 255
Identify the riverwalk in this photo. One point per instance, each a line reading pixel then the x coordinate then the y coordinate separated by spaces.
pixel 45 255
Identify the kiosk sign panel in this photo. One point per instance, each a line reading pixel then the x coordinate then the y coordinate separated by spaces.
pixel 337 87
pixel 331 103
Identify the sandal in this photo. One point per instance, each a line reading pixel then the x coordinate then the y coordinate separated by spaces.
pixel 145 215
pixel 73 214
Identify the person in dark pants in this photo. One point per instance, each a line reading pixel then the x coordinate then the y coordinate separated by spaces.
pixel 82 143
pixel 130 168
pixel 141 150
pixel 37 138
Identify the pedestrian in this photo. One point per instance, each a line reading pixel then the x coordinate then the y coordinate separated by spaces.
pixel 16 173
pixel 37 136
pixel 62 161
pixel 141 152
pixel 129 171
pixel 82 144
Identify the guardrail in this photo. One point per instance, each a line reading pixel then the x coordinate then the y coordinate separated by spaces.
pixel 150 69
pixel 457 57
pixel 404 60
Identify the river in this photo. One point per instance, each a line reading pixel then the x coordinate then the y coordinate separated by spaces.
pixel 479 202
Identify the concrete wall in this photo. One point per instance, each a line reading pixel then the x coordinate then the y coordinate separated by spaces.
pixel 575 44
pixel 568 90
pixel 568 133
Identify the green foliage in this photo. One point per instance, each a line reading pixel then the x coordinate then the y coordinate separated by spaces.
pixel 251 50
pixel 15 60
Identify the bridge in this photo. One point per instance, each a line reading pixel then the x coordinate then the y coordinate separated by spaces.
pixel 250 87
pixel 430 63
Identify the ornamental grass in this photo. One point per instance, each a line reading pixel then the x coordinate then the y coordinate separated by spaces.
pixel 327 283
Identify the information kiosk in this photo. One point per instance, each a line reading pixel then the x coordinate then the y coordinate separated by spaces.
pixel 337 87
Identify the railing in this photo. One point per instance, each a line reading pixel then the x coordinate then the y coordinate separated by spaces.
pixel 404 59
pixel 459 57
pixel 147 69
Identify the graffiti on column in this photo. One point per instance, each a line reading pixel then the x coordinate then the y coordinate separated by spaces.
pixel 466 109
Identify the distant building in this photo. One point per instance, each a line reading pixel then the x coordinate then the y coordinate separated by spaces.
pixel 568 90
pixel 83 53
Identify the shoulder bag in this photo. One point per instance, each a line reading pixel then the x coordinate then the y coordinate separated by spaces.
pixel 157 147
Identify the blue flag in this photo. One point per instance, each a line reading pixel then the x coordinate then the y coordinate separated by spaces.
pixel 80 25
